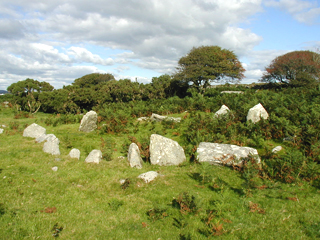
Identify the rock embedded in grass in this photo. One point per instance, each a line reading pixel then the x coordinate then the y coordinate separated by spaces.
pixel 224 110
pixel 94 156
pixel 89 122
pixel 256 113
pixel 134 157
pixel 148 176
pixel 276 149
pixel 34 131
pixel 225 154
pixel 52 145
pixel 165 152
pixel 74 153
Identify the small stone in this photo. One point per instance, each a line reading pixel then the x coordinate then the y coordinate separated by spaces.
pixel 75 153
pixel 277 149
pixel 148 176
pixel 122 181
pixel 54 169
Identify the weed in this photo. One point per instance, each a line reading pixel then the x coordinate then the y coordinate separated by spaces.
pixel 126 184
pixel 56 230
pixel 185 203
pixel 155 214
pixel 14 125
pixel 115 204
pixel 2 209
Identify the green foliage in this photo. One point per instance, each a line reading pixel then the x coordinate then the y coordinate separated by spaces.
pixel 185 203
pixel 115 204
pixel 207 64
pixel 26 94
pixel 93 80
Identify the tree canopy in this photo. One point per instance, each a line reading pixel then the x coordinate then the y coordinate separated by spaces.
pixel 93 79
pixel 294 68
pixel 207 64
pixel 27 92
pixel 29 86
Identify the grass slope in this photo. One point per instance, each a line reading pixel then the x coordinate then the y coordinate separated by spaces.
pixel 86 201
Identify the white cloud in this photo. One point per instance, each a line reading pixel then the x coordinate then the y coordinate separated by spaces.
pixel 50 38
pixel 303 11
pixel 83 55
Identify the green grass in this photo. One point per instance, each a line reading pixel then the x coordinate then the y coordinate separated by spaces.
pixel 86 201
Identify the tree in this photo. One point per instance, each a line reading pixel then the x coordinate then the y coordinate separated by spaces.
pixel 294 68
pixel 207 64
pixel 27 92
pixel 93 79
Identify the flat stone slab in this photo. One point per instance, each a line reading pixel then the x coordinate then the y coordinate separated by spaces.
pixel 148 176
pixel 225 154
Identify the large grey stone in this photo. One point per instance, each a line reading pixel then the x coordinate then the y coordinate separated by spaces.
pixel 89 122
pixel 224 110
pixel 52 145
pixel 34 131
pixel 165 152
pixel 148 176
pixel 256 113
pixel 94 156
pixel 224 154
pixel 134 156
pixel 74 153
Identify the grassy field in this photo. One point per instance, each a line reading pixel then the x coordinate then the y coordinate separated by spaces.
pixel 87 201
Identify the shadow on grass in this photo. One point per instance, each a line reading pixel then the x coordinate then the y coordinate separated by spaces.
pixel 217 185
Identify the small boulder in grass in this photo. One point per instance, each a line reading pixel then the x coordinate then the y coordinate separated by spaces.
pixel 75 153
pixel 148 176
pixel 134 157
pixel 34 131
pixel 256 113
pixel 277 149
pixel 54 169
pixel 94 156
pixel 224 110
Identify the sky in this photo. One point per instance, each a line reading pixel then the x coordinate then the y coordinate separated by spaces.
pixel 62 40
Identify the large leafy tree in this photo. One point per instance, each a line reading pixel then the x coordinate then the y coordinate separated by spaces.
pixel 27 92
pixel 208 64
pixel 294 68
pixel 93 80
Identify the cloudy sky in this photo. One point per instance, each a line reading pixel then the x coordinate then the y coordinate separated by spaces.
pixel 59 41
